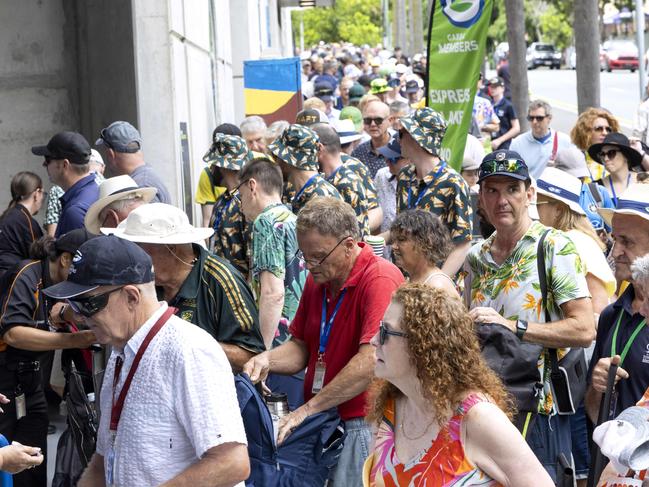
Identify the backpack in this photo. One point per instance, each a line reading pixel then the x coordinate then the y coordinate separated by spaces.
pixel 307 454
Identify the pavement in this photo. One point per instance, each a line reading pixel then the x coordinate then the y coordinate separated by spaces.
pixel 620 94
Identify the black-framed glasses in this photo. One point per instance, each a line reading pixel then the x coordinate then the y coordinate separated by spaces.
pixel 377 120
pixel 384 332
pixel 317 263
pixel 608 154
pixel 536 118
pixel 91 305
pixel 603 128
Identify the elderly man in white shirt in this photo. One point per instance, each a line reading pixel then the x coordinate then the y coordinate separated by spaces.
pixel 169 410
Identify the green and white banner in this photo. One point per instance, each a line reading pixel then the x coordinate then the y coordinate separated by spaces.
pixel 456 45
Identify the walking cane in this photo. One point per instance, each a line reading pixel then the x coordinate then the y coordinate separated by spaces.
pixel 597 463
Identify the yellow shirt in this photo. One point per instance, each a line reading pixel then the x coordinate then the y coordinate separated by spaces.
pixel 206 193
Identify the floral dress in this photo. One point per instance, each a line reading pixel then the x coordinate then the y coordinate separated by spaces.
pixel 443 464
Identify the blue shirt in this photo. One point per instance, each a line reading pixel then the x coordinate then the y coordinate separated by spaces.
pixel 589 204
pixel 145 176
pixel 75 203
pixel 536 154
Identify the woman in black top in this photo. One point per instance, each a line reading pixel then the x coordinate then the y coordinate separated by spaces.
pixel 26 342
pixel 18 229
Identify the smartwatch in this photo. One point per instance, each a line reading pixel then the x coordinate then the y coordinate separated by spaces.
pixel 521 328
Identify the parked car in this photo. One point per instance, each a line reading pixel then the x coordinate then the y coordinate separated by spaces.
pixel 619 54
pixel 540 54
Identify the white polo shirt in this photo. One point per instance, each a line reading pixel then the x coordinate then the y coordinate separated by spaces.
pixel 535 153
pixel 182 402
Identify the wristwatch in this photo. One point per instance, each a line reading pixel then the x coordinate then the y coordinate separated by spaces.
pixel 521 328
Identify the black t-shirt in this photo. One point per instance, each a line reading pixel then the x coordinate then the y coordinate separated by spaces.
pixel 23 304
pixel 505 111
pixel 636 362
pixel 17 232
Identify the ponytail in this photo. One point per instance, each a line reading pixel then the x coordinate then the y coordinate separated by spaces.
pixel 23 184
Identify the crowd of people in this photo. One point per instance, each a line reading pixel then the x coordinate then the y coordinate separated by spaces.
pixel 338 260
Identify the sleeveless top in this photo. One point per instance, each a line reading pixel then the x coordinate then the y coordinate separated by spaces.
pixel 443 464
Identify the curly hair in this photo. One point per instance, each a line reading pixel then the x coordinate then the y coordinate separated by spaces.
pixel 426 230
pixel 581 132
pixel 444 351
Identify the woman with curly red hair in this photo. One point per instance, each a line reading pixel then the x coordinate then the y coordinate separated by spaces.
pixel 591 127
pixel 441 414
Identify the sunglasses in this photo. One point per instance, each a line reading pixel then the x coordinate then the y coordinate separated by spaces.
pixel 536 118
pixel 376 120
pixel 506 165
pixel 609 154
pixel 92 304
pixel 602 128
pixel 384 332
pixel 317 263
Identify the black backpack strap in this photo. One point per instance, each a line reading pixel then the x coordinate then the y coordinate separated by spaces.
pixel 592 187
pixel 543 284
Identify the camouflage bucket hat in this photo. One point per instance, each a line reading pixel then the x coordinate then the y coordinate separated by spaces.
pixel 298 147
pixel 228 152
pixel 427 127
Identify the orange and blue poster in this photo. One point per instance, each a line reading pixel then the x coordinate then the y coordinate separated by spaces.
pixel 272 88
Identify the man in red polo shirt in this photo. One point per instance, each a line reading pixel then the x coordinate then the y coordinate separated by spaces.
pixel 346 293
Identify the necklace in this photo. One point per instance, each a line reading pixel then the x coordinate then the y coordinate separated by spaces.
pixel 412 438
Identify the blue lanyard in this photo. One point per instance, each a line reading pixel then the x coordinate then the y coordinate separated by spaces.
pixel 306 185
pixel 333 174
pixel 421 195
pixel 610 183
pixel 325 326
pixel 220 214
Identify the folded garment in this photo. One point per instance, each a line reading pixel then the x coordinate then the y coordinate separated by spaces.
pixel 625 440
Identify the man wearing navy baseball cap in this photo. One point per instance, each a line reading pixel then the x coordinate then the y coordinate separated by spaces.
pixel 163 375
pixel 503 288
pixel 66 159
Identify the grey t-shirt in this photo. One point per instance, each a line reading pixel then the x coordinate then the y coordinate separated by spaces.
pixel 145 176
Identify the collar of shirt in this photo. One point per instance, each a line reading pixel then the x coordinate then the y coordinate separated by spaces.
pixel 529 235
pixel 134 344
pixel 543 139
pixel 625 301
pixel 78 187
pixel 359 266
pixel 189 288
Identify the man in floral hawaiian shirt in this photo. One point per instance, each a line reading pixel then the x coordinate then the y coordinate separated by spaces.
pixel 503 277
pixel 296 152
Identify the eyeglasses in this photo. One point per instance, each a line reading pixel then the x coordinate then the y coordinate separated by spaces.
pixel 377 120
pixel 317 263
pixel 384 332
pixel 91 305
pixel 602 128
pixel 536 118
pixel 514 166
pixel 609 154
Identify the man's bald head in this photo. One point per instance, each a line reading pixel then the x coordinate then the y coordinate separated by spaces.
pixel 376 108
pixel 376 120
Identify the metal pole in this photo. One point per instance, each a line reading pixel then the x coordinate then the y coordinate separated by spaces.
pixel 386 24
pixel 639 22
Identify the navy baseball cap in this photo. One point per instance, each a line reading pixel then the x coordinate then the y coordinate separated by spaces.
pixel 65 145
pixel 106 260
pixel 121 137
pixel 71 241
pixel 323 90
pixel 503 163
pixel 392 151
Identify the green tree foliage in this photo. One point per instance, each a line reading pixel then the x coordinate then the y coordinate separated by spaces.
pixel 555 28
pixel 356 21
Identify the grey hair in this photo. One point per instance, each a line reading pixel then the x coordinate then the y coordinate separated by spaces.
pixel 329 138
pixel 252 124
pixel 120 205
pixel 276 129
pixel 328 216
pixel 640 269
pixel 536 104
pixel 399 107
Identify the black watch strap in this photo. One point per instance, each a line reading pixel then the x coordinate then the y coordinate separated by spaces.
pixel 521 328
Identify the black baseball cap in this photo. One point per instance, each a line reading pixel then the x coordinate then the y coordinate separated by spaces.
pixel 503 163
pixel 323 90
pixel 65 145
pixel 71 241
pixel 412 86
pixel 106 260
pixel 496 82
pixel 310 116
